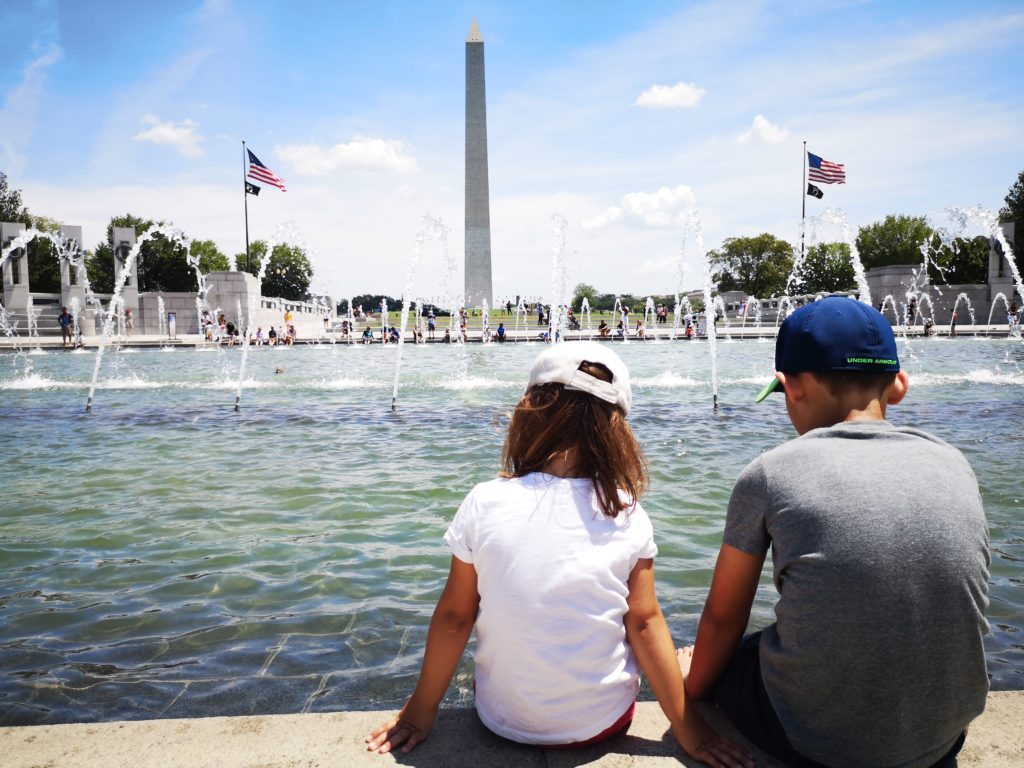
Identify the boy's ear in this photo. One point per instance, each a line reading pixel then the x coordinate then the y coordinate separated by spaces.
pixel 792 385
pixel 898 388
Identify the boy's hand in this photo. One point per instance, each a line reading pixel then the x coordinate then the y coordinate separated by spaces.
pixel 409 727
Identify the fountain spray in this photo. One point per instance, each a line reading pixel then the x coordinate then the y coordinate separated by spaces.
pixel 559 279
pixel 431 227
pixel 287 232
pixel 166 230
pixel 692 222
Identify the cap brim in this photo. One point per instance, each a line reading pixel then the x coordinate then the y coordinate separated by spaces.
pixel 772 386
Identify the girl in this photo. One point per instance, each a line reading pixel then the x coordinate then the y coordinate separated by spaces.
pixel 553 563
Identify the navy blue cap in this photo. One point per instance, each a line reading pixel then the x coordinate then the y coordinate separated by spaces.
pixel 833 334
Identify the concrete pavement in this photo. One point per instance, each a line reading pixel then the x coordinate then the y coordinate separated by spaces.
pixel 996 740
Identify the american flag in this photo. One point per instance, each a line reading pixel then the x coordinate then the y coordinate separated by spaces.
pixel 259 172
pixel 821 170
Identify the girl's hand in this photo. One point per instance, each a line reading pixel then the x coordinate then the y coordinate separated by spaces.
pixel 410 727
pixel 703 743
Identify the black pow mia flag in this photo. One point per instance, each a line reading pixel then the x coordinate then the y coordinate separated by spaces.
pixel 251 189
pixel 813 191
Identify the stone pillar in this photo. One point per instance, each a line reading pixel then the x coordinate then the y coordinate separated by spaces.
pixel 15 269
pixel 71 283
pixel 124 241
pixel 231 290
pixel 72 280
pixel 478 204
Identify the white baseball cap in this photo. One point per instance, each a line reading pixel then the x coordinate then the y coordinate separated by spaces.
pixel 560 364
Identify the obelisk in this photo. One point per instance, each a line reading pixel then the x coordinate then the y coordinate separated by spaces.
pixel 478 202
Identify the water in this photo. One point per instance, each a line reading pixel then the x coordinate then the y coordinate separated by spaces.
pixel 168 557
pixel 560 293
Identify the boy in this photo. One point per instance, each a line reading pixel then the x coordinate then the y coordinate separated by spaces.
pixel 880 555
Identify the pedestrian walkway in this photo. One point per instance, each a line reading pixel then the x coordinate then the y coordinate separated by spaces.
pixel 996 740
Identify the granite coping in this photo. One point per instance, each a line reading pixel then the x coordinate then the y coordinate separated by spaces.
pixel 995 740
pixel 311 334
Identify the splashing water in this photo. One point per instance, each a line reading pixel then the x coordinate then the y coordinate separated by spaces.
pixel 585 315
pixel 285 233
pixel 988 223
pixel 682 307
pixel 521 312
pixel 121 278
pixel 619 311
pixel 692 223
pixel 485 323
pixel 559 279
pixel 432 227
pixel 650 319
pixel 832 217
pixel 970 309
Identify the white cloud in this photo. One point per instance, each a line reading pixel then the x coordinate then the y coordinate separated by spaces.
pixel 182 136
pixel 360 154
pixel 610 216
pixel 762 130
pixel 670 96
pixel 664 208
pixel 18 115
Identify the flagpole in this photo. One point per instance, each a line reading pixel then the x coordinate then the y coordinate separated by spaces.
pixel 803 200
pixel 245 196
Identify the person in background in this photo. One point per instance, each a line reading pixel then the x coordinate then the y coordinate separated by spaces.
pixel 65 321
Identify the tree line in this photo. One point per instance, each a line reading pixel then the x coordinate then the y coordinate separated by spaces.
pixel 761 265
pixel 162 264
pixel 757 266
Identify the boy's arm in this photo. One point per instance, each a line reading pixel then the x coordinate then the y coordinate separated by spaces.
pixel 724 618
pixel 449 632
pixel 647 633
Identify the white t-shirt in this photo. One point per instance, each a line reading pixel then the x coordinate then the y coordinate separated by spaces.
pixel 552 662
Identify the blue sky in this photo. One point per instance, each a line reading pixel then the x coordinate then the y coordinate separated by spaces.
pixel 622 117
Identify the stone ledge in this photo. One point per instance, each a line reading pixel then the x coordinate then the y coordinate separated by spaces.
pixel 996 740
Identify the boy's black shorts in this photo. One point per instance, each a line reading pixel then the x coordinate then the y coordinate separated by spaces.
pixel 741 695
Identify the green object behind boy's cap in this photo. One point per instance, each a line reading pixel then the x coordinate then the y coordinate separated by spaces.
pixel 770 387
pixel 833 334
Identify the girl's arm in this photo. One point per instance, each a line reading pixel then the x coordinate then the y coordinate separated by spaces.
pixel 449 632
pixel 647 632
pixel 725 616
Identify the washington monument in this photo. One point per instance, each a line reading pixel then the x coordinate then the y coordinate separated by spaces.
pixel 478 202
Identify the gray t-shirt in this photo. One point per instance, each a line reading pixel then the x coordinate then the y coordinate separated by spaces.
pixel 881 553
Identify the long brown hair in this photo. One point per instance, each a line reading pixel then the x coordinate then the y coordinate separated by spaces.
pixel 551 419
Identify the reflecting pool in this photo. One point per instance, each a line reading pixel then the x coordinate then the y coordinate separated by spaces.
pixel 168 557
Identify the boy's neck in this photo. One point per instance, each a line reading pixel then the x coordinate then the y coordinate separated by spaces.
pixel 844 412
pixel 817 407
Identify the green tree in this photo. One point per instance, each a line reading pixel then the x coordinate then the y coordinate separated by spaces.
pixel 210 257
pixel 288 271
pixel 896 240
pixel 162 263
pixel 964 261
pixel 43 264
pixel 826 268
pixel 580 292
pixel 257 253
pixel 42 261
pixel 1014 211
pixel 758 266
pixel 11 207
pixel 370 302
